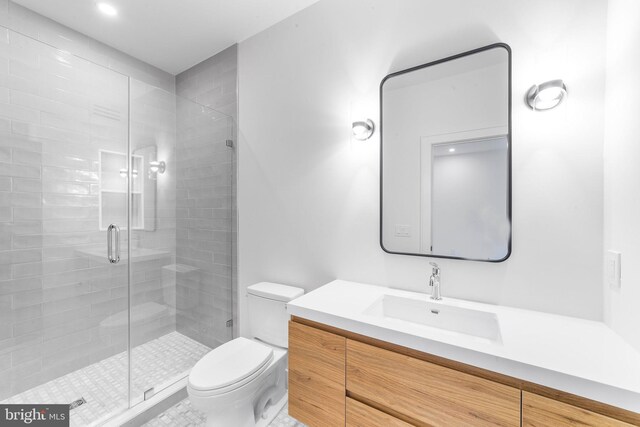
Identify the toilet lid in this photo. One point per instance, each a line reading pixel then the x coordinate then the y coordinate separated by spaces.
pixel 230 363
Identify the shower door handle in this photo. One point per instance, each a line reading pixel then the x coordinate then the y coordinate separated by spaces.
pixel 110 243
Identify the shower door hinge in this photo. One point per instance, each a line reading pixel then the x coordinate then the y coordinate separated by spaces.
pixel 76 403
pixel 229 323
pixel 229 143
pixel 148 394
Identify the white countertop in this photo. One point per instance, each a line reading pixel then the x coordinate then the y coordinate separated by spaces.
pixel 577 356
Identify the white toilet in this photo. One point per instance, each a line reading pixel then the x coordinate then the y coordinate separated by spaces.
pixel 242 383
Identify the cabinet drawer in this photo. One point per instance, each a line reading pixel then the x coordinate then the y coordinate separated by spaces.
pixel 428 393
pixel 316 376
pixel 361 415
pixel 538 411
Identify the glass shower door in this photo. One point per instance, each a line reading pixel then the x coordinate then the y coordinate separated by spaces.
pixel 63 180
pixel 87 153
pixel 180 237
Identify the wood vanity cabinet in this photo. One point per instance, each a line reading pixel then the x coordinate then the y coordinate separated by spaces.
pixel 361 415
pixel 539 411
pixel 338 378
pixel 426 393
pixel 316 376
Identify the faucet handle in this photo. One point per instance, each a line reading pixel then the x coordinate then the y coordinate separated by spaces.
pixel 436 268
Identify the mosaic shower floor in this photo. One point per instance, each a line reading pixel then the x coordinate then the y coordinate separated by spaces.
pixel 183 414
pixel 104 384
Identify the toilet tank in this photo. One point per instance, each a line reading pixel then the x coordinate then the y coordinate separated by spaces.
pixel 268 316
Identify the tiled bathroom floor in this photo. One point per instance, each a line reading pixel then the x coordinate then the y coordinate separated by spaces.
pixel 104 384
pixel 183 414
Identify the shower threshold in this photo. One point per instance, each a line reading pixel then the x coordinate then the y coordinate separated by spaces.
pixel 103 385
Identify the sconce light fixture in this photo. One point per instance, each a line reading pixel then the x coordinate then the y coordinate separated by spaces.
pixel 547 95
pixel 157 167
pixel 362 130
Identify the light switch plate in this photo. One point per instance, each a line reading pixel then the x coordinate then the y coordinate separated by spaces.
pixel 613 269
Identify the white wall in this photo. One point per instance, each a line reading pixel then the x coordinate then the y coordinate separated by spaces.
pixel 622 174
pixel 308 194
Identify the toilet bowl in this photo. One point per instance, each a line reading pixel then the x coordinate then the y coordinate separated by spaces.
pixel 242 383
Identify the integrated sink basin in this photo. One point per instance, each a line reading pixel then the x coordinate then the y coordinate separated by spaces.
pixel 439 315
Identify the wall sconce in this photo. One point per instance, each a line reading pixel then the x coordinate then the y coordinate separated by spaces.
pixel 362 130
pixel 547 95
pixel 157 167
pixel 123 173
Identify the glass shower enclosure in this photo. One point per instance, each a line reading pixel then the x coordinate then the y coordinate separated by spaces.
pixel 115 233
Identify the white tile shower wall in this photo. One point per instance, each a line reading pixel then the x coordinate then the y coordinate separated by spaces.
pixel 206 203
pixel 27 22
pixel 622 175
pixel 203 228
pixel 308 197
pixel 213 82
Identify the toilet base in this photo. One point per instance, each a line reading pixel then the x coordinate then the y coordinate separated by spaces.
pixel 242 417
pixel 235 416
pixel 272 412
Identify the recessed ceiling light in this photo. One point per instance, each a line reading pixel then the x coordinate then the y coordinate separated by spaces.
pixel 107 9
pixel 452 150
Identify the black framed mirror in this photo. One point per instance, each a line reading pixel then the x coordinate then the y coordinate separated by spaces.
pixel 445 157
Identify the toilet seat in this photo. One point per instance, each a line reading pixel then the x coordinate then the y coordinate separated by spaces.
pixel 229 367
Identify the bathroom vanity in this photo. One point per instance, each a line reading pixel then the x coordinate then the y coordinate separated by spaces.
pixel 363 355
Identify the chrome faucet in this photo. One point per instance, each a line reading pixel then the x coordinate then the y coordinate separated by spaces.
pixel 434 282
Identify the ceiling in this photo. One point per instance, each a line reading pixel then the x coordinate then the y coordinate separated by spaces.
pixel 172 35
